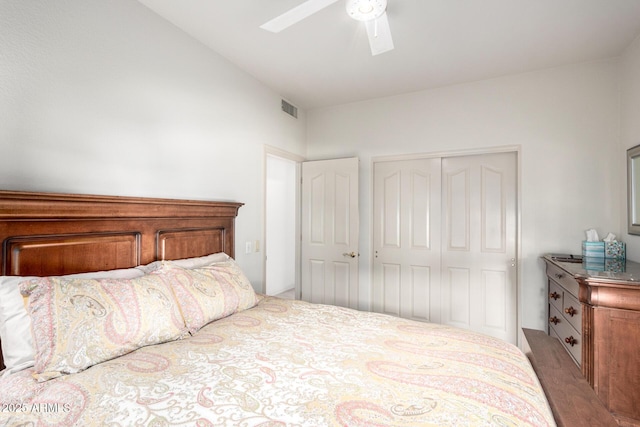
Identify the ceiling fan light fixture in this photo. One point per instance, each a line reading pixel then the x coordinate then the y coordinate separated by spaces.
pixel 366 10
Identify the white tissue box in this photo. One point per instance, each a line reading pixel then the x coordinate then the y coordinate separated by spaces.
pixel 615 250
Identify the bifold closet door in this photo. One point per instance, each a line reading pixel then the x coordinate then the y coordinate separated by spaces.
pixel 407 239
pixel 478 262
pixel 445 241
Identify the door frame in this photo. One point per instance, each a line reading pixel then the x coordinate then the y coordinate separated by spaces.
pixel 517 149
pixel 277 152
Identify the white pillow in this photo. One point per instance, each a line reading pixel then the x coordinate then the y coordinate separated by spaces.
pixel 15 324
pixel 187 263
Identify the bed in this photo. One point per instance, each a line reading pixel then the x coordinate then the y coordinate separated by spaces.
pixel 211 350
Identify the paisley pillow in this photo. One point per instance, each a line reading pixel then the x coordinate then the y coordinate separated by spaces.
pixel 229 274
pixel 77 323
pixel 209 293
pixel 15 324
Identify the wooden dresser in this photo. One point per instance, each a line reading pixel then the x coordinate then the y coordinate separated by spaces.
pixel 606 340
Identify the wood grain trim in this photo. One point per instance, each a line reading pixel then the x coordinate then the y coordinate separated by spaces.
pixel 124 252
pixel 620 297
pixel 182 240
pixel 587 344
pixel 27 205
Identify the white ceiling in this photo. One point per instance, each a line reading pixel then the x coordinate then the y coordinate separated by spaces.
pixel 325 59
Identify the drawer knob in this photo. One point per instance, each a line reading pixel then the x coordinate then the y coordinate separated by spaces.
pixel 571 311
pixel 558 275
pixel 554 320
pixel 571 341
pixel 554 295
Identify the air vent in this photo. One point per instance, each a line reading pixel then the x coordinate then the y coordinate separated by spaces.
pixel 289 109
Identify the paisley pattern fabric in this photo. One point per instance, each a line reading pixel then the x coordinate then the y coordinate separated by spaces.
pixel 291 363
pixel 77 323
pixel 211 292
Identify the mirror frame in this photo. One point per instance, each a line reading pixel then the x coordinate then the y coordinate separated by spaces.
pixel 633 190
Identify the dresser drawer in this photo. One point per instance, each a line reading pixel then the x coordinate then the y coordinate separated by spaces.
pixel 555 295
pixel 555 317
pixel 566 334
pixel 563 278
pixel 572 311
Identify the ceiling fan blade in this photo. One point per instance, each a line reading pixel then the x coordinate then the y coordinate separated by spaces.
pixel 296 14
pixel 379 35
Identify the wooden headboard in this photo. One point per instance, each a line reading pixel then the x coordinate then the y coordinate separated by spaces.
pixel 46 234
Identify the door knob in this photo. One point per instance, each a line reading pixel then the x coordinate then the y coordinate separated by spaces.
pixel 349 254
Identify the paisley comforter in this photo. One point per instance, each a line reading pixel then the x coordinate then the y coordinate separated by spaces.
pixel 296 364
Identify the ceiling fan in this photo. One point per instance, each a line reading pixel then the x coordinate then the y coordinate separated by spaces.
pixel 372 12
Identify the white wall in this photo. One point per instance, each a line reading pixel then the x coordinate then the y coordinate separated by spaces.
pixel 105 97
pixel 565 120
pixel 629 130
pixel 281 218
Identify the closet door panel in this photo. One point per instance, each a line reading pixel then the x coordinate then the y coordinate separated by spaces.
pixel 406 248
pixel 479 213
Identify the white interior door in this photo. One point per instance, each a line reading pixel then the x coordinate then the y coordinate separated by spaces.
pixel 407 239
pixel 479 244
pixel 445 241
pixel 330 232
